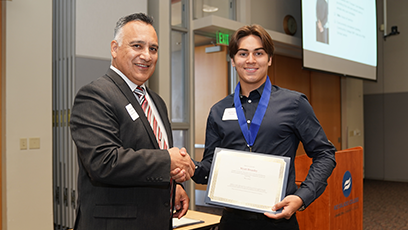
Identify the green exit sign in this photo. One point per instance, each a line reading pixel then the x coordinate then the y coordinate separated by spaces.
pixel 222 39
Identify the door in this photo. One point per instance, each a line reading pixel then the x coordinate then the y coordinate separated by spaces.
pixel 211 85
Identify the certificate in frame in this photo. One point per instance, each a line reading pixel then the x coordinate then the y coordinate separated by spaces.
pixel 247 180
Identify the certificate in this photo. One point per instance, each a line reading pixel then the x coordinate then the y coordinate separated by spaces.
pixel 246 180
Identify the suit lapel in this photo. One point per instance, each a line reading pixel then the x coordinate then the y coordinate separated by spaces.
pixel 124 88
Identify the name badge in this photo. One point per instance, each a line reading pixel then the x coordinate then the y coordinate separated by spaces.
pixel 230 114
pixel 132 112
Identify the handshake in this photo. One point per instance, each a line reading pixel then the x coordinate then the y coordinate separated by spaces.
pixel 182 167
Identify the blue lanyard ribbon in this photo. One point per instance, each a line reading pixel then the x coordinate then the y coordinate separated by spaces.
pixel 250 134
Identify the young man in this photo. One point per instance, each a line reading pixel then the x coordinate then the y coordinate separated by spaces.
pixel 286 119
pixel 124 141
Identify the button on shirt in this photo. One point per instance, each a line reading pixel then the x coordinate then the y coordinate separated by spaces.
pixel 288 120
pixel 250 103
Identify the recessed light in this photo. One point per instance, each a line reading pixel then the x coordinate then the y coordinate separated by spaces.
pixel 209 9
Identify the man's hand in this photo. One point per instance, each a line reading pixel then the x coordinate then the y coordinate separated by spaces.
pixel 181 202
pixel 182 167
pixel 290 205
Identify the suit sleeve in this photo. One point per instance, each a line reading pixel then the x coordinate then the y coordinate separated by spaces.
pixel 114 149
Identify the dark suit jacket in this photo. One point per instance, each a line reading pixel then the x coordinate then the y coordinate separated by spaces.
pixel 124 178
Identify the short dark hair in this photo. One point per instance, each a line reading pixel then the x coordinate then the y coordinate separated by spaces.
pixel 129 18
pixel 256 30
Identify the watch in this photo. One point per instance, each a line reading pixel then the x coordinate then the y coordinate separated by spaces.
pixel 289 25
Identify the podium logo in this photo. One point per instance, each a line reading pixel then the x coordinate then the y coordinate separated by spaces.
pixel 347 184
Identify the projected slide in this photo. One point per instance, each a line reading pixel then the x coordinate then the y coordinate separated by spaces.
pixel 340 36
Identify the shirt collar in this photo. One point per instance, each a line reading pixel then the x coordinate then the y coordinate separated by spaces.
pixel 255 93
pixel 131 85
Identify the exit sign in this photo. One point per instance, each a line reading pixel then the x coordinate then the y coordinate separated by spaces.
pixel 222 39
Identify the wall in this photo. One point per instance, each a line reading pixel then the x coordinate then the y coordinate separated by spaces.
pixel 270 14
pixel 94 33
pixel 27 91
pixel 352 113
pixel 385 101
pixel 95 21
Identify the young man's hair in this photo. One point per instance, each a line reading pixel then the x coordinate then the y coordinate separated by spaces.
pixel 256 30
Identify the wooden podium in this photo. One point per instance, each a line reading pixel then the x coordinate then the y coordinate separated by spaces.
pixel 341 204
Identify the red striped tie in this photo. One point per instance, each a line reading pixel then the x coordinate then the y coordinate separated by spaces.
pixel 141 93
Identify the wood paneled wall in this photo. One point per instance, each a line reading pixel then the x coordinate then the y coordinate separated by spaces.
pixel 322 90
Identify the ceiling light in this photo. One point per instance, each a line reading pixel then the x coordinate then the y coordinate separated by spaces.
pixel 209 9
